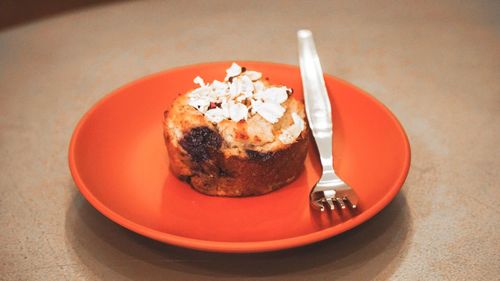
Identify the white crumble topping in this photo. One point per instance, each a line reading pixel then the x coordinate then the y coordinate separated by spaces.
pixel 242 95
pixel 232 71
pixel 215 115
pixel 291 133
pixel 272 112
pixel 199 99
pixel 253 75
pixel 198 80
pixel 259 86
pixel 273 95
pixel 237 111
pixel 241 86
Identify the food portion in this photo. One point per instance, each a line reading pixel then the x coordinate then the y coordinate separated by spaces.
pixel 238 137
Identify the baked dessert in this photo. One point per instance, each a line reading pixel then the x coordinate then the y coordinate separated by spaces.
pixel 239 137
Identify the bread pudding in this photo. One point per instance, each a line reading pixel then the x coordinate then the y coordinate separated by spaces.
pixel 241 136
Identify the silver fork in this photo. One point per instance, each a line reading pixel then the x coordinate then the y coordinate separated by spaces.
pixel 330 191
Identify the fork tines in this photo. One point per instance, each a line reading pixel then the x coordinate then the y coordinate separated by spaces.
pixel 333 200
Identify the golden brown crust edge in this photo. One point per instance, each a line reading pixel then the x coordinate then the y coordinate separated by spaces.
pixel 235 176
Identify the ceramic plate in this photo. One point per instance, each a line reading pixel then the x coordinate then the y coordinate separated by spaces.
pixel 119 162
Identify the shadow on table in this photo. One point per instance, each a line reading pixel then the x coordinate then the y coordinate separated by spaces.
pixel 375 248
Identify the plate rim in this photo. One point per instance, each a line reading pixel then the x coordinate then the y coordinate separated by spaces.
pixel 235 247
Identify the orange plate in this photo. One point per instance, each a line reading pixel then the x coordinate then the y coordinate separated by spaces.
pixel 119 162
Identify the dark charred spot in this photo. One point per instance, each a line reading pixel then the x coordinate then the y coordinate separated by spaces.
pixel 256 155
pixel 223 173
pixel 230 79
pixel 201 143
pixel 185 178
pixel 289 91
pixel 243 69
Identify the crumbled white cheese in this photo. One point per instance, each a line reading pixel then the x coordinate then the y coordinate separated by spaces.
pixel 242 95
pixel 272 112
pixel 253 75
pixel 259 86
pixel 199 99
pixel 215 115
pixel 201 104
pixel 225 109
pixel 199 92
pixel 198 80
pixel 276 95
pixel 254 104
pixel 233 71
pixel 218 86
pixel 237 111
pixel 291 133
pixel 241 86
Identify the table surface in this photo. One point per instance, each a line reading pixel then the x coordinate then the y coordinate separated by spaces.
pixel 435 65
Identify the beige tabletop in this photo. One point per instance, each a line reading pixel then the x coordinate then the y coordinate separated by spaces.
pixel 435 65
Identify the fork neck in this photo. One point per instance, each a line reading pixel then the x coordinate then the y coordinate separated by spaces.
pixel 328 181
pixel 323 140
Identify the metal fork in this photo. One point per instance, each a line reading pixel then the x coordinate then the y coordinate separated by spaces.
pixel 330 191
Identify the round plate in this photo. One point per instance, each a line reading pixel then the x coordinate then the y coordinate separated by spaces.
pixel 118 160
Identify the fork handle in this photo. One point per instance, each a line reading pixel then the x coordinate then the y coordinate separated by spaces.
pixel 317 103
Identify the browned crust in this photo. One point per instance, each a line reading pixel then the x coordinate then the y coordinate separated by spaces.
pixel 256 173
pixel 201 156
